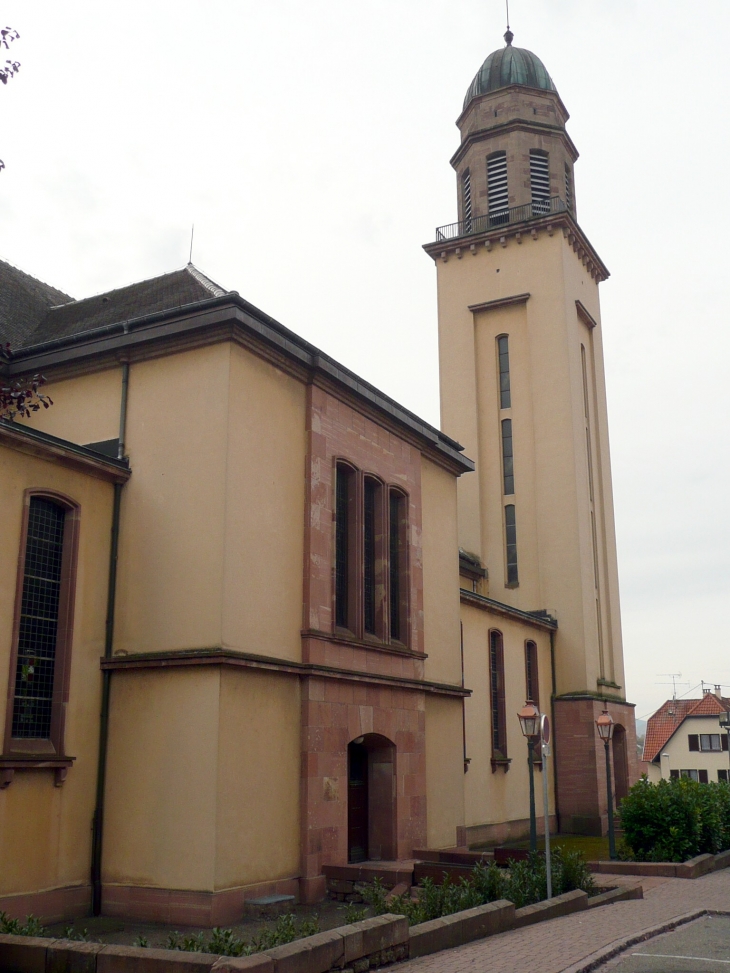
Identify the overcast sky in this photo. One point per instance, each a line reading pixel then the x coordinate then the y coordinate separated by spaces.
pixel 309 143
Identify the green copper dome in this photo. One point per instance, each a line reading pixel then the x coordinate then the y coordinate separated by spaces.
pixel 509 65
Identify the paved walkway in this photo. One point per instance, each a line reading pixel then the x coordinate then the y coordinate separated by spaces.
pixel 553 946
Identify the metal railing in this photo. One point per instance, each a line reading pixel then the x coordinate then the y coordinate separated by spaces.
pixel 504 217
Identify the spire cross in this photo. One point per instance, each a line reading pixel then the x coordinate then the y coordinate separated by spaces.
pixel 509 35
pixel 507 3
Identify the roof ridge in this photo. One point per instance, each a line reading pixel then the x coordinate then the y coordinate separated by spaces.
pixel 123 287
pixel 215 289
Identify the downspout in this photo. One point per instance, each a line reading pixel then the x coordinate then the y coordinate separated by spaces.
pixel 98 821
pixel 554 734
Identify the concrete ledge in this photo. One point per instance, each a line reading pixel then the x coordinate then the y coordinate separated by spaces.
pixel 561 905
pixel 373 936
pixel 259 963
pixel 315 954
pixel 454 856
pixel 136 959
pixel 67 956
pixel 694 868
pixel 616 895
pixel 437 871
pixel 462 927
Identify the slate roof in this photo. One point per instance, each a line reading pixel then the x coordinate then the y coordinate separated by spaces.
pixel 669 717
pixel 31 315
pixel 24 302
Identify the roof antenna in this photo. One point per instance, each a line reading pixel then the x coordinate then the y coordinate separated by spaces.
pixel 192 234
pixel 509 36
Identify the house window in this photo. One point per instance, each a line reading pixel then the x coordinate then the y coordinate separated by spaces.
pixel 44 617
pixel 497 195
pixel 466 200
pixel 674 775
pixel 722 775
pixel 539 182
pixel 693 741
pixel 691 774
pixel 702 776
pixel 531 684
pixel 510 533
pixel 344 545
pixel 508 472
pixel 710 741
pixel 505 399
pixel 497 696
pixel 397 555
pixel 373 557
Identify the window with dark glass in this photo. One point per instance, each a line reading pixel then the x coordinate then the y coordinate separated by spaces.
pixel 539 181
pixel 497 194
pixel 710 741
pixel 497 696
pixel 397 548
pixel 370 544
pixel 722 775
pixel 532 687
pixel 505 399
pixel 466 199
pixel 343 545
pixel 510 530
pixel 674 774
pixel 508 473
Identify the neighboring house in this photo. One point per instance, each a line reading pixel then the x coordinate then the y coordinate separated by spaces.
pixel 307 618
pixel 684 739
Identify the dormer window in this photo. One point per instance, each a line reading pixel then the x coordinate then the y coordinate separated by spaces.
pixel 497 194
pixel 539 181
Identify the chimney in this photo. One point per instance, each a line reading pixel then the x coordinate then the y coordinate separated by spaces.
pixel 718 693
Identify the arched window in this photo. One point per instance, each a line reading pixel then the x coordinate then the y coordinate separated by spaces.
pixel 539 181
pixel 40 662
pixel 497 696
pixel 345 527
pixel 532 688
pixel 497 193
pixel 466 200
pixel 508 473
pixel 373 557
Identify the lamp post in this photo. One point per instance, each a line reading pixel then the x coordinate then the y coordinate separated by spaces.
pixel 604 723
pixel 545 752
pixel 529 717
pixel 725 725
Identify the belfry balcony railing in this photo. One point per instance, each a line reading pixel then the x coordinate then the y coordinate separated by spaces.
pixel 503 217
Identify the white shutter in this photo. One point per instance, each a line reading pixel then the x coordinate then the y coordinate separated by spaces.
pixel 539 181
pixel 497 188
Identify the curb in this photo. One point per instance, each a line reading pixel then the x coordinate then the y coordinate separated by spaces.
pixel 594 960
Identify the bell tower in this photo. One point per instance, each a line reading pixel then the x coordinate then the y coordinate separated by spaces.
pixel 523 388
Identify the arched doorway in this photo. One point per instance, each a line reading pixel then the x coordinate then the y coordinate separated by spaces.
pixel 620 763
pixel 370 799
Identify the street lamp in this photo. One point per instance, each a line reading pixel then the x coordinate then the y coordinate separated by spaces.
pixel 529 717
pixel 604 724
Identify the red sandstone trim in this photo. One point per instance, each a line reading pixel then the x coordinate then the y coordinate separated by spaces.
pixel 49 905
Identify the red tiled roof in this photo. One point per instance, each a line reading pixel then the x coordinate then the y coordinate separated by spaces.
pixel 670 715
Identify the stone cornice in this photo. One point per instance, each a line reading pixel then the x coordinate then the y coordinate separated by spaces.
pixel 513 125
pixel 519 232
pixel 585 316
pixel 27 440
pixel 247 660
pixel 545 622
pixel 499 302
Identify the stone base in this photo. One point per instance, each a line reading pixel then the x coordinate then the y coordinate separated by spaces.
pixel 498 834
pixel 50 905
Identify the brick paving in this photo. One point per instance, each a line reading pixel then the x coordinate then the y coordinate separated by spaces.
pixel 553 946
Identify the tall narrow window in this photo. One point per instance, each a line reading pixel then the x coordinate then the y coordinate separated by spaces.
pixel 505 399
pixel 398 589
pixel 39 615
pixel 568 188
pixel 508 473
pixel 497 194
pixel 370 554
pixel 466 200
pixel 539 181
pixel 343 545
pixel 510 530
pixel 497 696
pixel 532 688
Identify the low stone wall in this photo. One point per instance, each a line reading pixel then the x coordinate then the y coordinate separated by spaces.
pixel 694 868
pixel 355 948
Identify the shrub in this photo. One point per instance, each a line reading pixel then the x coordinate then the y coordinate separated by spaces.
pixel 14 927
pixel 676 819
pixel 224 942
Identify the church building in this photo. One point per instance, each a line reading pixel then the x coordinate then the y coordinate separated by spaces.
pixel 257 618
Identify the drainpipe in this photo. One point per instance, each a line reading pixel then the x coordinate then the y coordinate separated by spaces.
pixel 555 735
pixel 97 827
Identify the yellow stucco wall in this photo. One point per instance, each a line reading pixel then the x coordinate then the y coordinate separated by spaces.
pixel 259 775
pixel 85 408
pixel 444 770
pixel 496 797
pixel 162 772
pixel 439 540
pixel 264 509
pixel 45 836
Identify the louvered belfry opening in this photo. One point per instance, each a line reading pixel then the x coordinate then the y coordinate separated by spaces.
pixel 38 630
pixel 568 188
pixel 466 200
pixel 497 193
pixel 540 181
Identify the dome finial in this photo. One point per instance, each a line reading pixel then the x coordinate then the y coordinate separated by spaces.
pixel 509 36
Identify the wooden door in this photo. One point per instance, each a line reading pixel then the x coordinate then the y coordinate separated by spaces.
pixel 357 803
